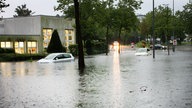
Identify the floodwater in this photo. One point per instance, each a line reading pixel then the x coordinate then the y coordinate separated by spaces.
pixel 113 81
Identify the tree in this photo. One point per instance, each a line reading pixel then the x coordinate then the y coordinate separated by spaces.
pixel 163 23
pixel 3 5
pixel 81 62
pixel 124 16
pixel 185 17
pixel 55 44
pixel 22 11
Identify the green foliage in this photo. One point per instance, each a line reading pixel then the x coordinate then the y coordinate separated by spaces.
pixel 98 47
pixel 98 16
pixel 89 48
pixel 3 5
pixel 186 17
pixel 7 50
pixel 143 44
pixel 23 11
pixel 20 57
pixel 55 44
pixel 165 23
pixel 73 49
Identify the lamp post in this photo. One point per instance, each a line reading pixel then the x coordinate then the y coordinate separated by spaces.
pixel 173 28
pixel 153 21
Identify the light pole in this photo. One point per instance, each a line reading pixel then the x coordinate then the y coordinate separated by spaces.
pixel 153 21
pixel 173 28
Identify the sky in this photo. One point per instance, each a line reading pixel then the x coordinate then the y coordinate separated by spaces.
pixel 45 7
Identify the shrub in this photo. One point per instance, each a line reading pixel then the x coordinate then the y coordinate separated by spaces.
pixel 89 48
pixel 20 57
pixel 7 50
pixel 55 44
pixel 73 49
pixel 99 47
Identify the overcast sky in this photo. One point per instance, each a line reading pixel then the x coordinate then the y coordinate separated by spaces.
pixel 45 7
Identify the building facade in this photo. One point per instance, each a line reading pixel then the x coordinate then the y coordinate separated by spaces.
pixel 32 34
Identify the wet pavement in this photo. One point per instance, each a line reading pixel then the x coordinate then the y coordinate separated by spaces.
pixel 113 81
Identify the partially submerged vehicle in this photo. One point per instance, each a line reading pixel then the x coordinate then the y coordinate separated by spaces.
pixel 142 52
pixel 57 57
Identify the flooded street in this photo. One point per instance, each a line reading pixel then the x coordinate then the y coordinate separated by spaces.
pixel 113 81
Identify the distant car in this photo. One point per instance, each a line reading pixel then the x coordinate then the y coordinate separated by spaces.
pixel 158 46
pixel 164 47
pixel 142 52
pixel 57 57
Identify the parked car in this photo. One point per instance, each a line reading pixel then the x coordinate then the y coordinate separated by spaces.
pixel 57 57
pixel 158 46
pixel 142 52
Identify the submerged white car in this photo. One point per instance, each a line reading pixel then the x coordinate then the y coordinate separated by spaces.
pixel 57 57
pixel 142 52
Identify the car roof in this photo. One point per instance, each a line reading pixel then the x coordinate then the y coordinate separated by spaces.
pixel 58 53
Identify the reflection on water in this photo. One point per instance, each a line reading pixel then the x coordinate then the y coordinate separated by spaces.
pixel 116 80
pixel 113 81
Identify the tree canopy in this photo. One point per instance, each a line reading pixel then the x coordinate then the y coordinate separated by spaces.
pixel 185 17
pixel 98 16
pixel 3 5
pixel 23 11
pixel 166 24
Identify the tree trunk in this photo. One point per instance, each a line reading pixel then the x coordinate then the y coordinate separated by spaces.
pixel 81 62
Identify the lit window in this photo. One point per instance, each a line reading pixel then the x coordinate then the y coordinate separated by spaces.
pixel 46 37
pixel 19 47
pixel 32 47
pixel 2 44
pixel 6 45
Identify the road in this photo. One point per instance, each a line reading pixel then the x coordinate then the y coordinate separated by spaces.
pixel 114 81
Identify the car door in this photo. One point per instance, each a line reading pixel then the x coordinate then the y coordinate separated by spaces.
pixel 67 57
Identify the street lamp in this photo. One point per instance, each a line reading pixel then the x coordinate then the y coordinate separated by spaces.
pixel 153 20
pixel 173 27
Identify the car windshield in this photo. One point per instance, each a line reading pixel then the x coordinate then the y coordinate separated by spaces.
pixel 142 50
pixel 50 56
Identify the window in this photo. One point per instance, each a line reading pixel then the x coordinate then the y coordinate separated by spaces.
pixel 32 47
pixel 19 47
pixel 69 37
pixel 6 45
pixel 47 36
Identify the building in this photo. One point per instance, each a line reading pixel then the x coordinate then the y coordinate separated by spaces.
pixel 32 34
pixel 140 17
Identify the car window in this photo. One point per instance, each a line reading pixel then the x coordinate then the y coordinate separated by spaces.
pixel 58 57
pixel 62 56
pixel 67 55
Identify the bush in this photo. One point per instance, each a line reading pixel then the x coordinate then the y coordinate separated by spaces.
pixel 20 57
pixel 7 50
pixel 142 44
pixel 73 49
pixel 99 47
pixel 89 48
pixel 55 44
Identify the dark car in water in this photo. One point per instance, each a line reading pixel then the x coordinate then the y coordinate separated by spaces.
pixel 159 47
